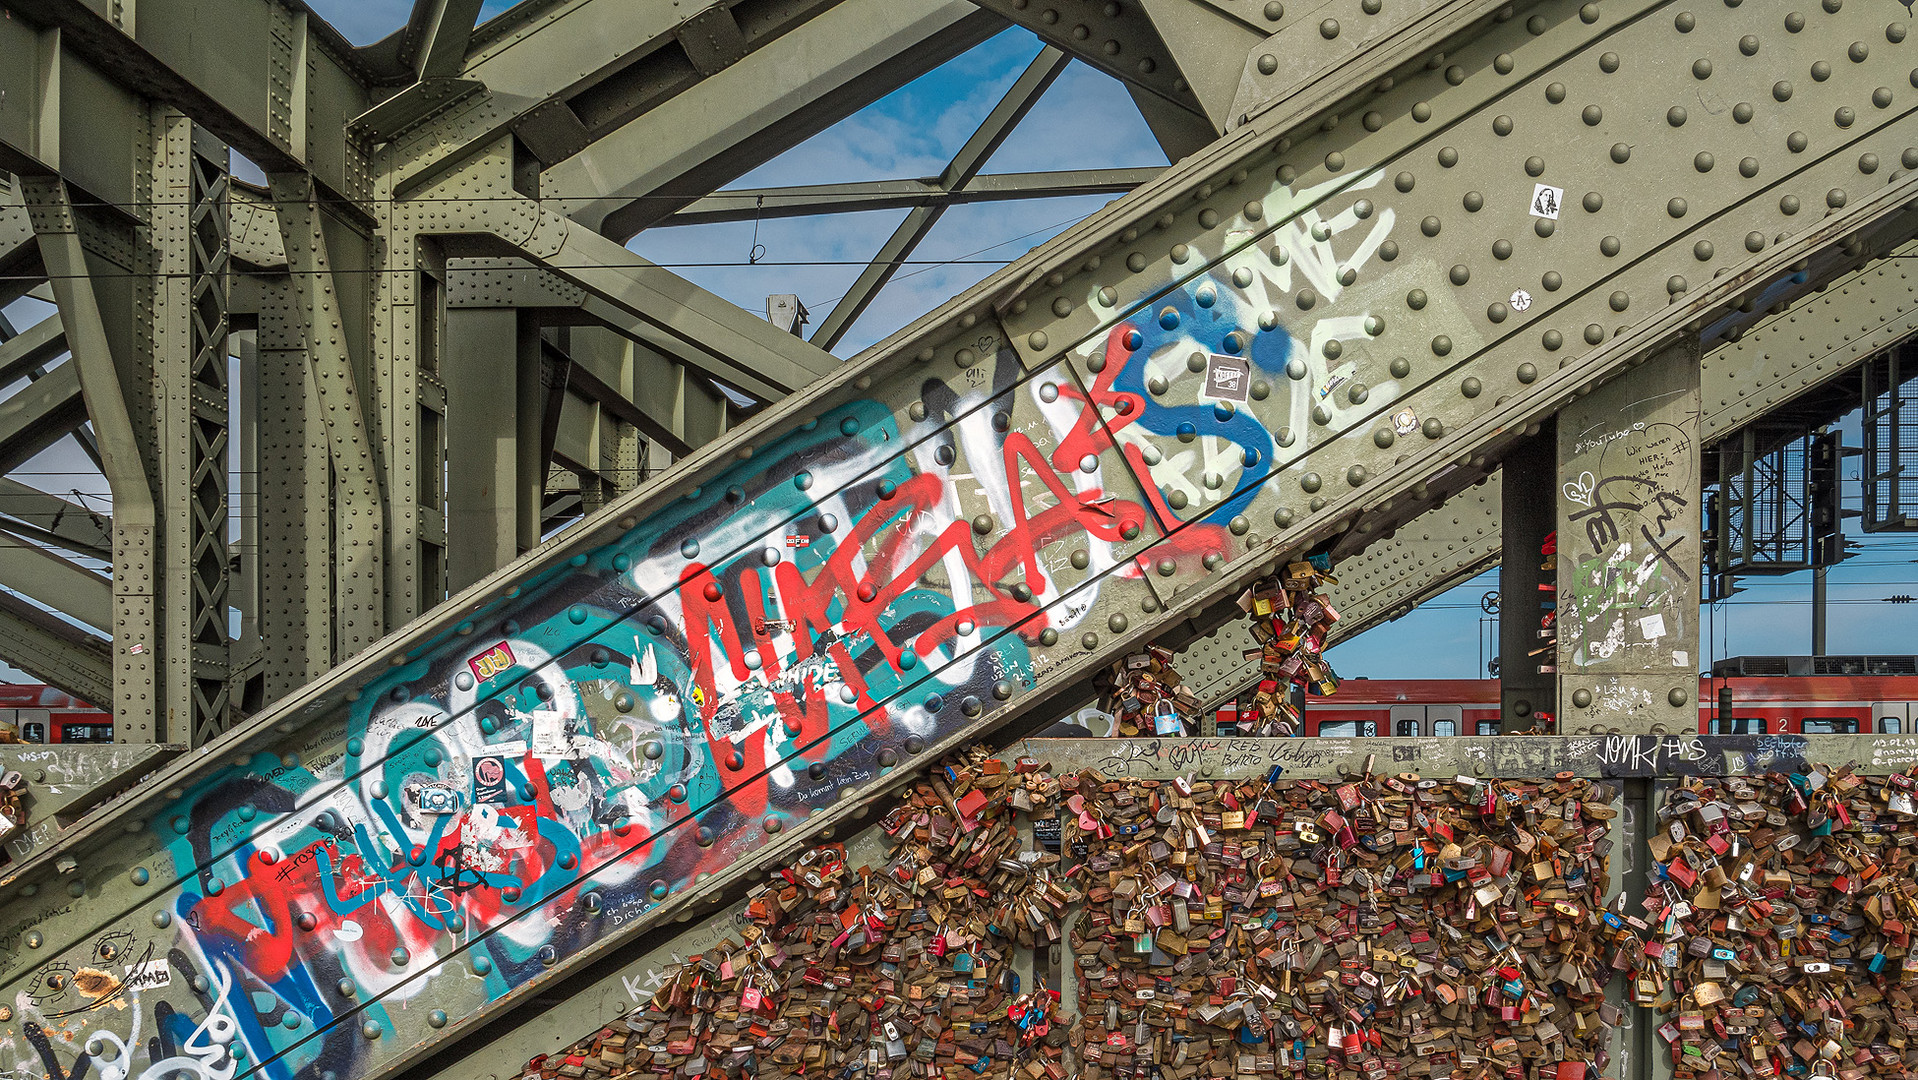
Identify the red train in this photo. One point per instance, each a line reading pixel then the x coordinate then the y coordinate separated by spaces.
pixel 44 714
pixel 1761 705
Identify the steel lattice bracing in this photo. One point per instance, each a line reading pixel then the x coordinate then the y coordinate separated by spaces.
pixel 947 535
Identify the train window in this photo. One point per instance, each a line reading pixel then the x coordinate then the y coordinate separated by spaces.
pixel 1348 729
pixel 1829 725
pixel 1741 725
pixel 34 732
pixel 1490 727
pixel 1444 727
pixel 1891 725
pixel 1405 727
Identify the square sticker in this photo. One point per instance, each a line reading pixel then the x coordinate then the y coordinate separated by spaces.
pixel 1228 378
pixel 1547 201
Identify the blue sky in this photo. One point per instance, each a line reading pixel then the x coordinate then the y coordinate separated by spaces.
pixel 912 133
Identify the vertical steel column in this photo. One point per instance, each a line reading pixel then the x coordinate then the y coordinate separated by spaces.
pixel 295 503
pixel 360 516
pixel 136 625
pixel 529 487
pixel 1628 550
pixel 482 459
pixel 1528 476
pixel 609 357
pixel 188 230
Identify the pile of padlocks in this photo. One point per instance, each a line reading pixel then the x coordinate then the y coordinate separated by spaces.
pixel 13 811
pixel 1384 926
pixel 1775 938
pixel 1146 696
pixel 1389 925
pixel 897 971
pixel 1290 618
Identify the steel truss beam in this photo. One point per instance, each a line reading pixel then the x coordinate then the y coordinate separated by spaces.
pixel 998 124
pixel 259 74
pixel 749 204
pixel 50 648
pixel 739 95
pixel 134 620
pixel 611 286
pixel 359 582
pixel 1793 351
pixel 1262 246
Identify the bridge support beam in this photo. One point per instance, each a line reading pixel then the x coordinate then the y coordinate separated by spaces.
pixel 1527 685
pixel 1628 550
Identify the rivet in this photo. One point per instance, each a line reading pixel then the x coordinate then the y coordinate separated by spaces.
pixel 1781 90
pixel 1676 116
pixel 1471 387
pixel 1501 125
pixel 1268 64
pixel 1881 97
pixel 1594 333
pixel 1796 142
pixel 1701 68
pixel 1608 63
pixel 1448 156
pixel 1441 345
pixel 1621 153
pixel 1677 207
pixel 1609 246
pixel 1552 340
pixel 1835 198
pixel 1582 697
pixel 1551 280
pixel 1678 697
pixel 1820 71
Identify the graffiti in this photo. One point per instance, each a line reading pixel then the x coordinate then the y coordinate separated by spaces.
pixel 1635 521
pixel 1635 754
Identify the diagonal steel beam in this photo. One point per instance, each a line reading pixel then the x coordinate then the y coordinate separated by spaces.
pixel 613 286
pixel 56 651
pixel 360 582
pixel 134 619
pixel 40 414
pixel 440 30
pixel 998 124
pixel 592 388
pixel 562 75
pixel 60 584
pixel 32 348
pixel 55 520
pixel 747 204
pixel 623 178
